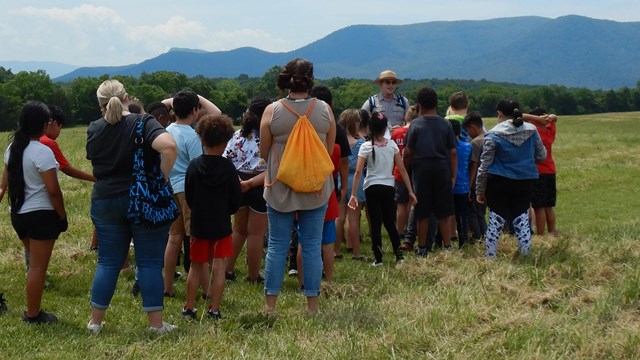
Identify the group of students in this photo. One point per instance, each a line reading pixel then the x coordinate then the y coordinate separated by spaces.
pixel 405 171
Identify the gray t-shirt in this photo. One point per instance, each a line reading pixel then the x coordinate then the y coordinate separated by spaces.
pixel 37 159
pixel 431 138
pixel 392 109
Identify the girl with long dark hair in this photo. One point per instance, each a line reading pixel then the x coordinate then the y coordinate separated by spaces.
pixel 38 215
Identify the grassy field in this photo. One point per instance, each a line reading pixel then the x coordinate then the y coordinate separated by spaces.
pixel 576 297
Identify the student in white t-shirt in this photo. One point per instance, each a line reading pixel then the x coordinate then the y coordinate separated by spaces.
pixel 380 155
pixel 38 215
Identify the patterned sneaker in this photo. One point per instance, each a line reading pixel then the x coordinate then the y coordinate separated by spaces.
pixel 95 329
pixel 42 318
pixel 215 315
pixel 189 314
pixel 166 327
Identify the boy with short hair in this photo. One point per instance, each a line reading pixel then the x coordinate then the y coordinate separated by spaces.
pixel 51 133
pixel 472 123
pixel 430 153
pixel 212 191
pixel 187 106
pixel 458 107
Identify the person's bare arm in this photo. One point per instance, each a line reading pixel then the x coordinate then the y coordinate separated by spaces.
pixel 166 146
pixel 266 138
pixel 209 107
pixel 50 179
pixel 407 154
pixel 78 174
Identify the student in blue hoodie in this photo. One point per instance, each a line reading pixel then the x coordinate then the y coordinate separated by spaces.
pixel 507 173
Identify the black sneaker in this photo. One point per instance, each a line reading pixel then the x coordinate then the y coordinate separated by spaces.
pixel 422 252
pixel 189 314
pixel 42 318
pixel 258 280
pixel 135 290
pixel 215 315
pixel 177 275
pixel 3 304
pixel 230 275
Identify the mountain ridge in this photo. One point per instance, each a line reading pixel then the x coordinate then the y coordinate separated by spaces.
pixel 573 51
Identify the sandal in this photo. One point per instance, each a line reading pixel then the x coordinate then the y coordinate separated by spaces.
pixel 359 258
pixel 338 256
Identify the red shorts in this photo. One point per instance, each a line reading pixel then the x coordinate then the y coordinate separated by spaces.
pixel 204 250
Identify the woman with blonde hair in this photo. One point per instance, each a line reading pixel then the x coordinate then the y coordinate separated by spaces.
pixel 110 148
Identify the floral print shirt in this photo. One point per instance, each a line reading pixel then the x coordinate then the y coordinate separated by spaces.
pixel 244 153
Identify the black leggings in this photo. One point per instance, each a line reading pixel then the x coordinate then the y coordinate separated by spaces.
pixel 508 197
pixel 382 210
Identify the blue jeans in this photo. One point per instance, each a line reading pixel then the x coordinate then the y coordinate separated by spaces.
pixel 114 233
pixel 310 224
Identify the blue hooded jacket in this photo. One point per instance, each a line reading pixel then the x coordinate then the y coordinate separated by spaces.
pixel 511 152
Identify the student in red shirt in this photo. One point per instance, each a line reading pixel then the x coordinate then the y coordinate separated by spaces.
pixel 544 190
pixel 51 133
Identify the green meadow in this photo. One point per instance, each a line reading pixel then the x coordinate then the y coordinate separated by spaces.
pixel 576 297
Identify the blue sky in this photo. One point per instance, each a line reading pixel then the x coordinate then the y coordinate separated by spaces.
pixel 123 32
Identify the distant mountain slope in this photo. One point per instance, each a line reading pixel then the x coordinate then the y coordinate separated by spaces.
pixel 54 69
pixel 570 50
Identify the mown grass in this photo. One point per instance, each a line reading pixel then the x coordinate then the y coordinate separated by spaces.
pixel 576 296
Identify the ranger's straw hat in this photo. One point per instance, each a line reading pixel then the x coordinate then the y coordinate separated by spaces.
pixel 387 75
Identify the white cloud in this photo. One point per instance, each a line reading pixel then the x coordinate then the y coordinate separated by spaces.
pixel 90 35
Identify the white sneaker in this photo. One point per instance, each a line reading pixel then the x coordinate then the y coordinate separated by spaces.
pixel 95 329
pixel 293 272
pixel 377 263
pixel 166 327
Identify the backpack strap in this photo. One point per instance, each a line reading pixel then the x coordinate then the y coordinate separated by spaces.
pixel 400 99
pixel 313 104
pixel 372 103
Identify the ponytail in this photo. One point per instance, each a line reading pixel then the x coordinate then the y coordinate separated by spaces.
pixel 16 171
pixel 111 95
pixel 33 117
pixel 113 110
pixel 517 118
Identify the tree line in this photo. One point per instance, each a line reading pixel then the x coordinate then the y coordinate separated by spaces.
pixel 78 97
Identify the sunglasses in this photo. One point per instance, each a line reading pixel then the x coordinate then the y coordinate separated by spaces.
pixel 390 82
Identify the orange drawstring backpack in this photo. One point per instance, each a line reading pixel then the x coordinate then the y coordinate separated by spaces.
pixel 305 164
